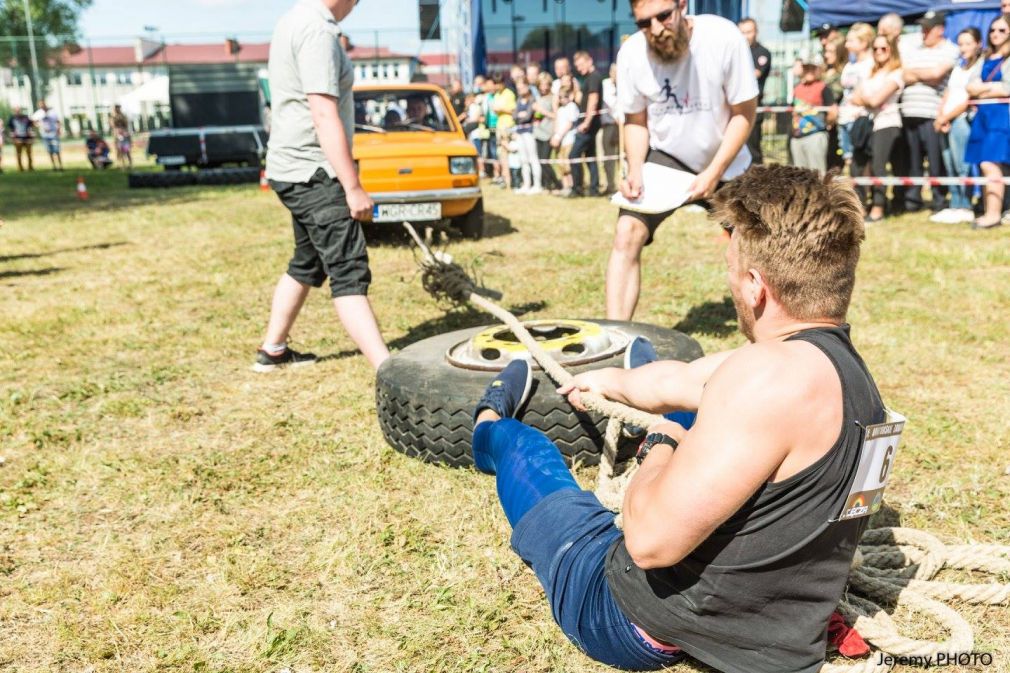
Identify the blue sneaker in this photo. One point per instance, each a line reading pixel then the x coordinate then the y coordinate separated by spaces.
pixel 639 352
pixel 508 391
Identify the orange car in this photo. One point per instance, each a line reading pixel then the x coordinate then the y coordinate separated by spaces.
pixel 413 158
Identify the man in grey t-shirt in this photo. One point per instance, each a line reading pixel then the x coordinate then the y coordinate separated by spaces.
pixel 309 165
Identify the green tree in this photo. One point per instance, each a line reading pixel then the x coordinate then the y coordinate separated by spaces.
pixel 54 24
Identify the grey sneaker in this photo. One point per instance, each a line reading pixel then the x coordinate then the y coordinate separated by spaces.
pixel 265 362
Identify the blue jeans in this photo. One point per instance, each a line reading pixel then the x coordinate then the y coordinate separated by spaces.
pixel 845 140
pixel 563 533
pixel 585 148
pixel 953 157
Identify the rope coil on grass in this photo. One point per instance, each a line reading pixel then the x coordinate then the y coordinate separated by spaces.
pixel 892 566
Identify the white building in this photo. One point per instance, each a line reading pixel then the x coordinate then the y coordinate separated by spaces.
pixel 379 65
pixel 94 79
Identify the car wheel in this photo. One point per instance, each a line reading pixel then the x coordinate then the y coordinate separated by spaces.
pixel 471 225
pixel 425 394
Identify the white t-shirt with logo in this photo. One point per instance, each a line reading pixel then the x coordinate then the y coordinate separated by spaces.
pixel 48 122
pixel 688 101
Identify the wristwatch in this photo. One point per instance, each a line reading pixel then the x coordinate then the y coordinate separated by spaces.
pixel 651 440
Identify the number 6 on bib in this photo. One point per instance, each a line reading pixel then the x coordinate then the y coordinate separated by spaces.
pixel 876 461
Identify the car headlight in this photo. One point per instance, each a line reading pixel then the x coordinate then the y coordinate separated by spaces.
pixel 462 165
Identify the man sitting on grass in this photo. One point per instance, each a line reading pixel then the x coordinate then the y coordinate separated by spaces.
pixel 98 151
pixel 731 550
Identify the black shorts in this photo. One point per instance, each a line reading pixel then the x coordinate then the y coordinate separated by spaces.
pixel 328 241
pixel 653 220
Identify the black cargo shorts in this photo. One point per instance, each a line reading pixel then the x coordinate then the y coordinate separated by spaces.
pixel 328 241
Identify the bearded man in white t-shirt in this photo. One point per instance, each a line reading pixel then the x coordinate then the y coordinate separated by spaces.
pixel 687 88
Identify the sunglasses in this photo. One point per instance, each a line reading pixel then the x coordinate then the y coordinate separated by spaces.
pixel 662 17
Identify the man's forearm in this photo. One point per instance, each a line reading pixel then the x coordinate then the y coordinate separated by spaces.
pixel 667 385
pixel 737 132
pixel 636 144
pixel 337 149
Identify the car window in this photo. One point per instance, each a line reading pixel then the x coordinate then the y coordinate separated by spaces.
pixel 399 112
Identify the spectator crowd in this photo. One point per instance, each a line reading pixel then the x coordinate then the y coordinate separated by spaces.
pixel 537 131
pixel 45 125
pixel 877 101
pixel 882 102
pixel 874 102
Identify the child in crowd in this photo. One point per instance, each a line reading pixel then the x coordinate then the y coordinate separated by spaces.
pixel 809 142
pixel 526 144
pixel 564 134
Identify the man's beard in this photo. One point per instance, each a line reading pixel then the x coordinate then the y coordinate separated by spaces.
pixel 744 316
pixel 671 44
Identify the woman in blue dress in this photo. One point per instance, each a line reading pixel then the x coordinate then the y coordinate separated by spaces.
pixel 989 142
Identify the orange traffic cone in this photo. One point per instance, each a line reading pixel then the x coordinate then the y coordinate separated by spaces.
pixel 82 189
pixel 264 184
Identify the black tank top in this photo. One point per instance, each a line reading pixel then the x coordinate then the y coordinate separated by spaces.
pixel 756 596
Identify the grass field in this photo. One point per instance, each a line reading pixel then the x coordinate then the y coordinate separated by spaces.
pixel 163 508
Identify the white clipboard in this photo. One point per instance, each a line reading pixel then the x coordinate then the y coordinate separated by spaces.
pixel 663 189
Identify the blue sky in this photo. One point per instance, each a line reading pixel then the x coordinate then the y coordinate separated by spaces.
pixel 210 20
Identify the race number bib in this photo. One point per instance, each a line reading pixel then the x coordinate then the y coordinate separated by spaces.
pixel 876 461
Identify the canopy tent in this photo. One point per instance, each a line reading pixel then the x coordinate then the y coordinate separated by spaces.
pixel 846 14
pixel 146 98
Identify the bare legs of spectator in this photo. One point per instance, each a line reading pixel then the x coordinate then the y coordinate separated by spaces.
pixel 993 196
pixel 503 165
pixel 355 313
pixel 624 269
pixel 57 160
pixel 25 149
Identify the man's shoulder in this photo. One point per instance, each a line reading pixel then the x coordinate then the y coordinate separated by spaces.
pixel 304 19
pixel 783 374
pixel 634 47
pixel 715 26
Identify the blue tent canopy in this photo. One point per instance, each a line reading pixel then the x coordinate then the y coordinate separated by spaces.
pixel 961 13
pixel 847 13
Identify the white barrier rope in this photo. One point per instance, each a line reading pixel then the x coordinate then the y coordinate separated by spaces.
pixel 828 108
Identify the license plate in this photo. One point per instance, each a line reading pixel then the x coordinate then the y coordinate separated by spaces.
pixel 173 160
pixel 407 212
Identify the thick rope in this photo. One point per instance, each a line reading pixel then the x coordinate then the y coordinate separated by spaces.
pixel 893 566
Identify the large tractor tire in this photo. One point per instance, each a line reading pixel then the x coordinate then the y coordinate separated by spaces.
pixel 425 403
